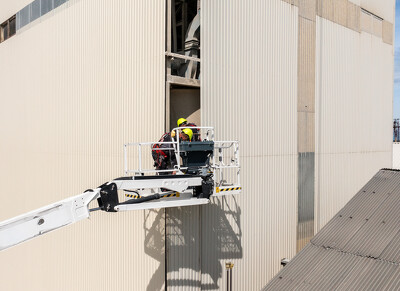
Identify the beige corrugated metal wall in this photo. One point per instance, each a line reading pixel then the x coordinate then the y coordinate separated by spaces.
pixel 249 93
pixel 396 155
pixel 75 86
pixel 65 126
pixel 384 9
pixel 354 83
pixel 9 8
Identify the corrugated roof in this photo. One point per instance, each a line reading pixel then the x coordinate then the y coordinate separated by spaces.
pixel 358 249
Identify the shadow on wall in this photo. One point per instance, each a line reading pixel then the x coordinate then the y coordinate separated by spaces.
pixel 154 245
pixel 199 241
pixel 221 239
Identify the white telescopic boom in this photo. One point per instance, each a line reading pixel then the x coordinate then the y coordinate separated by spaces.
pixel 43 220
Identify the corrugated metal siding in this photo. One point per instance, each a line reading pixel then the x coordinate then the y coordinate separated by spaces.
pixel 349 220
pixel 306 122
pixel 183 248
pixel 75 87
pixel 249 93
pixel 354 113
pixel 355 2
pixel 12 7
pixel 384 9
pixel 396 156
pixel 317 268
pixel 358 248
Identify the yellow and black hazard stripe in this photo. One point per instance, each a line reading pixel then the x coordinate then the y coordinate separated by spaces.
pixel 133 196
pixel 227 189
pixel 175 194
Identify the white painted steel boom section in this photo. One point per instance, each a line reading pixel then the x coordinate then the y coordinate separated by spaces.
pixel 65 212
pixel 186 201
pixel 177 184
pixel 43 220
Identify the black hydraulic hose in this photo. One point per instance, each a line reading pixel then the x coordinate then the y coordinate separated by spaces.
pixel 132 191
pixel 143 199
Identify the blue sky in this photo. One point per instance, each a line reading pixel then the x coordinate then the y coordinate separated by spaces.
pixel 396 101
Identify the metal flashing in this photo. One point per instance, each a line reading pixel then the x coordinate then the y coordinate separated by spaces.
pixel 387 32
pixel 306 122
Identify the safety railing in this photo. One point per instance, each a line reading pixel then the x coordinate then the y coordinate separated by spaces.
pixel 203 132
pixel 141 170
pixel 225 162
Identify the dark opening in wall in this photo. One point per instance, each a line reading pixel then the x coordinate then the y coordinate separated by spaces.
pixel 184 102
pixel 183 14
pixel 184 38
pixel 7 28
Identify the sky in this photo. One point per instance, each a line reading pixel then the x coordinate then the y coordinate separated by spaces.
pixel 396 96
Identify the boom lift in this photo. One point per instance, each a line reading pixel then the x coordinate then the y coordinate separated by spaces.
pixel 199 174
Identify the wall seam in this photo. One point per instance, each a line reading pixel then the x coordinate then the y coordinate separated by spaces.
pixel 354 23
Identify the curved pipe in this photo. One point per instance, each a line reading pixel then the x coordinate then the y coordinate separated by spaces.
pixel 192 47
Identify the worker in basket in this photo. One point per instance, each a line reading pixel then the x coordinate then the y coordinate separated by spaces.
pixel 182 122
pixel 164 154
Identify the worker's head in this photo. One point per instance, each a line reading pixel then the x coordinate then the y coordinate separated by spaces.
pixel 186 134
pixel 181 122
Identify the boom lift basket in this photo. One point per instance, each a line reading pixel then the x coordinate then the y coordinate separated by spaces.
pixel 204 168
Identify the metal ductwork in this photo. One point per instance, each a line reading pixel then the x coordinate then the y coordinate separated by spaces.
pixel 191 69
